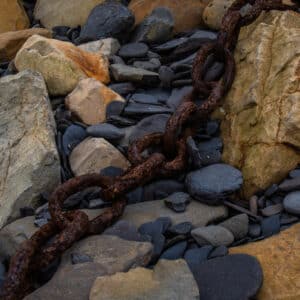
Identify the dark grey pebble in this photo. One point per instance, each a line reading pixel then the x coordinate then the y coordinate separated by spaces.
pixel 291 203
pixel 272 210
pixel 289 185
pixel 218 252
pixel 133 50
pixel 156 28
pixel 177 95
pixel 212 127
pixel 220 278
pixel 254 230
pixel 114 108
pixel 123 88
pixel 72 137
pixel 194 154
pixel 111 171
pixel 109 19
pixel 106 131
pixel 270 226
pixel 194 257
pixel 151 65
pixel 178 201
pixel 238 225
pixel 138 109
pixel 210 152
pixel 206 35
pixel 2 274
pixel 271 190
pixel 166 76
pixel 188 60
pixel 286 219
pixel 180 229
pixel 212 183
pixel 78 258
pixel 98 203
pixel 214 72
pixel 295 173
pixel 115 59
pixel 144 99
pixel 161 189
pixel 121 121
pixel 174 252
pixel 170 45
pixel 126 231
pixel 181 82
pixel 135 196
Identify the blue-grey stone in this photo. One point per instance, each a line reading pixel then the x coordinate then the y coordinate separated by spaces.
pixel 106 131
pixel 291 203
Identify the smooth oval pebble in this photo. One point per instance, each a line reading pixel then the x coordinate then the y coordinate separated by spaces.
pixel 106 131
pixel 232 277
pixel 133 50
pixel 291 203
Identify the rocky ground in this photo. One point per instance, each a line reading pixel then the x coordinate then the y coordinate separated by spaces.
pixel 81 80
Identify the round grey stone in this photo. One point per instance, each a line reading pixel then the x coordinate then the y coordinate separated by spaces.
pixel 237 225
pixel 291 203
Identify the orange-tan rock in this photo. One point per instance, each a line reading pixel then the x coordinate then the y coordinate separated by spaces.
pixel 12 16
pixel 89 100
pixel 11 42
pixel 279 257
pixel 61 63
pixel 261 127
pixel 187 15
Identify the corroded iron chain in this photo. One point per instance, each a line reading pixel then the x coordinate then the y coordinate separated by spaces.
pixel 65 228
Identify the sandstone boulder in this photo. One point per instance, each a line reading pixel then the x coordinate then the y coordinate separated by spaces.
pixel 11 42
pixel 12 16
pixel 279 257
pixel 261 127
pixel 89 101
pixel 29 162
pixel 61 63
pixel 95 154
pixel 60 12
pixel 187 15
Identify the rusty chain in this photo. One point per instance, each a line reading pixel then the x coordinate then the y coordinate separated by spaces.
pixel 65 228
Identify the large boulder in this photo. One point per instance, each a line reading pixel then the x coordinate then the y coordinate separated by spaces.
pixel 187 15
pixel 29 162
pixel 11 42
pixel 261 125
pixel 279 257
pixel 61 63
pixel 60 12
pixel 12 16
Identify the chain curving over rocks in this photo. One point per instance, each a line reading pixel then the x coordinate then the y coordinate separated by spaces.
pixel 65 228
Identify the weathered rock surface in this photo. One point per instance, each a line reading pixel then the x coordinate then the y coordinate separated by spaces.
pixel 197 213
pixel 89 100
pixel 62 64
pixel 11 42
pixel 110 254
pixel 95 154
pixel 29 162
pixel 279 257
pixel 168 280
pixel 13 234
pixel 60 12
pixel 213 13
pixel 187 16
pixel 12 16
pixel 262 113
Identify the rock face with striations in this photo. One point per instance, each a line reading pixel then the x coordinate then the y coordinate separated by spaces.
pixel 62 64
pixel 261 126
pixel 29 162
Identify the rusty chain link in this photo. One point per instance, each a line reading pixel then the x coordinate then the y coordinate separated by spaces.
pixel 65 228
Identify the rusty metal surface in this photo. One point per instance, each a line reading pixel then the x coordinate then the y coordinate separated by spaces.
pixel 66 228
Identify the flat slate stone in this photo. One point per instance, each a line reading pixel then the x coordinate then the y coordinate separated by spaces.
pixel 270 225
pixel 178 201
pixel 291 203
pixel 232 277
pixel 218 252
pixel 73 136
pixel 174 252
pixel 237 225
pixel 133 50
pixel 212 235
pixel 194 257
pixel 213 183
pixel 106 131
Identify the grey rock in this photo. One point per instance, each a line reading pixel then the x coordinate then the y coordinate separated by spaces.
pixel 289 185
pixel 212 235
pixel 156 28
pixel 123 88
pixel 133 50
pixel 178 201
pixel 295 173
pixel 180 229
pixel 237 225
pixel 206 35
pixel 29 159
pixel 291 203
pixel 188 60
pixel 170 45
pixel 254 230
pixel 174 252
pixel 144 98
pixel 168 280
pixel 166 76
pixel 218 252
pixel 127 73
pixel 272 210
pixel 78 258
pixel 177 96
pixel 151 65
pixel 107 20
pixel 212 183
pixel 196 256
pixel 136 109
